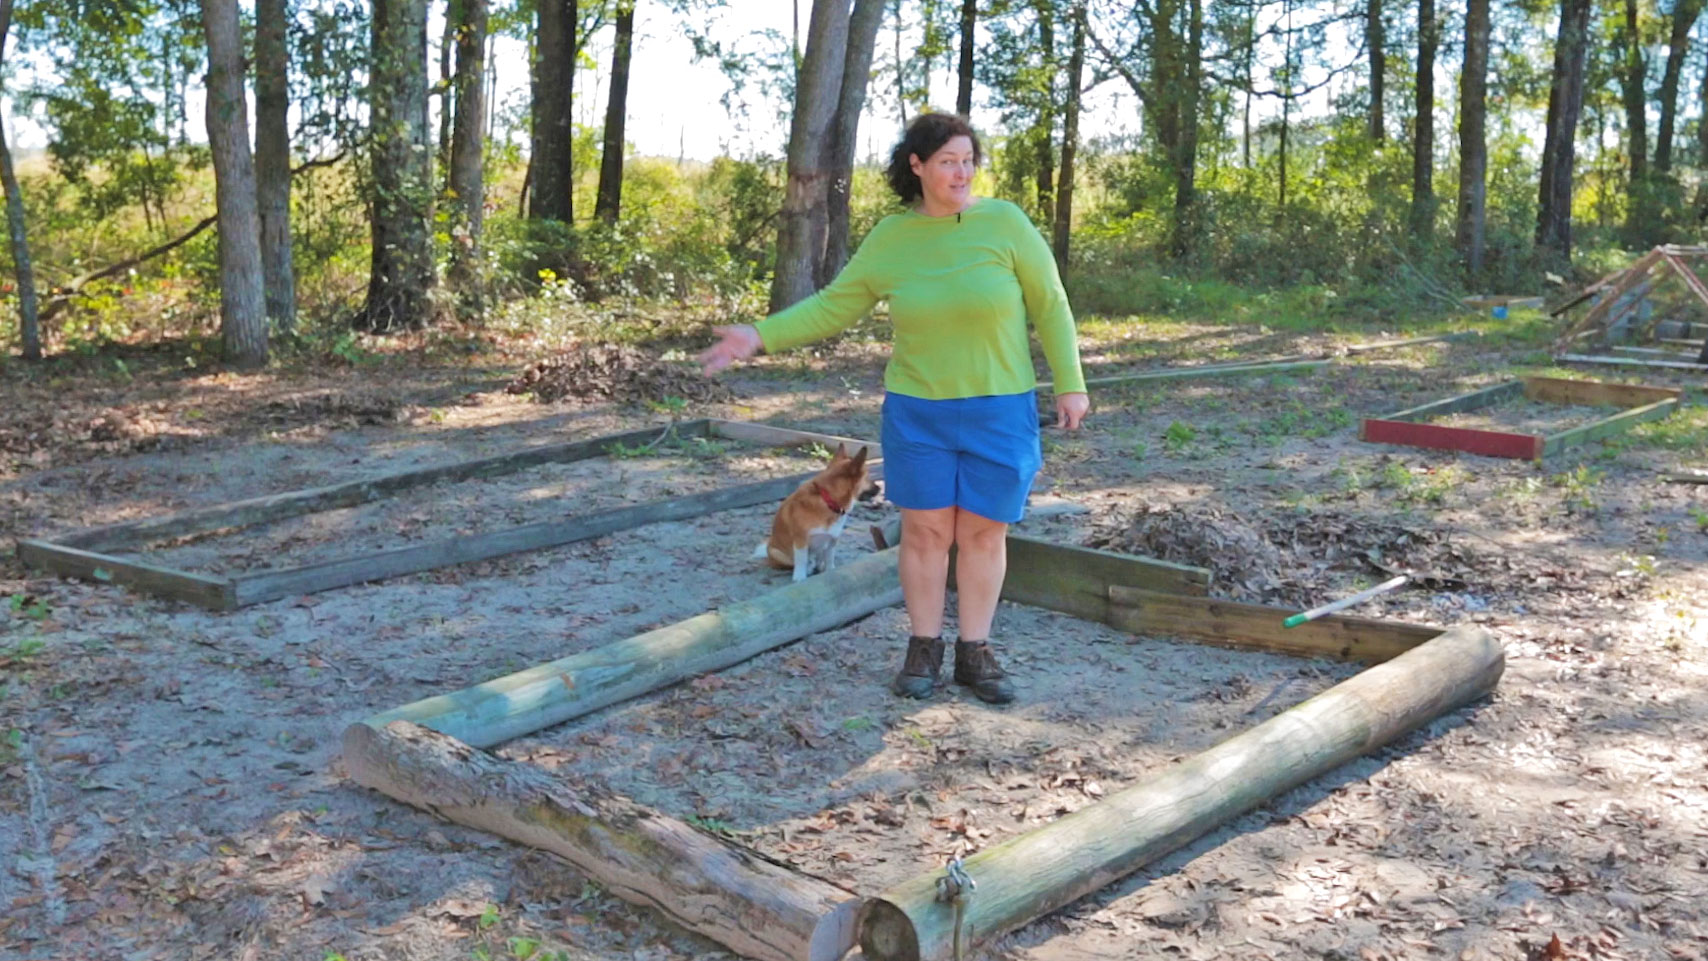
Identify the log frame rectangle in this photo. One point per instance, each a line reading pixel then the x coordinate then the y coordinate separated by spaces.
pixel 88 553
pixel 1405 428
pixel 906 923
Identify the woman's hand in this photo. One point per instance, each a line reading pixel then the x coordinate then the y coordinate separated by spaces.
pixel 1071 409
pixel 735 342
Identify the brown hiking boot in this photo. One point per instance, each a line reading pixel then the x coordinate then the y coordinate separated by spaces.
pixel 918 677
pixel 976 667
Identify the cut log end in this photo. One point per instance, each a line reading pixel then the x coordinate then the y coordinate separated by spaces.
pixel 887 933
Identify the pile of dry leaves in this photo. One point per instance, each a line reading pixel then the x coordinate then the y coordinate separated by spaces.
pixel 343 408
pixel 589 371
pixel 35 435
pixel 1291 557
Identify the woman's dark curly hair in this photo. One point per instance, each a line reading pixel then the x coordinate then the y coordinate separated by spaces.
pixel 925 136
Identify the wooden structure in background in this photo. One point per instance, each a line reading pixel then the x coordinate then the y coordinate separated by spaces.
pixel 93 553
pixel 1628 306
pixel 735 896
pixel 1407 427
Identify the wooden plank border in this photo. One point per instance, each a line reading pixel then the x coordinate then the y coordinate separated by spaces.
pixel 275 507
pixel 1632 361
pixel 71 555
pixel 1224 623
pixel 213 593
pixel 1301 362
pixel 1403 428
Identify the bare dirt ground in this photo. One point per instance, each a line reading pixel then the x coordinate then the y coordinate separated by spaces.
pixel 170 785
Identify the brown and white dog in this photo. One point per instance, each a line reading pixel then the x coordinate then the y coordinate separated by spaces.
pixel 804 532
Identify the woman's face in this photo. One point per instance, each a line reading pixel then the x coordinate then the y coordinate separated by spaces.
pixel 947 175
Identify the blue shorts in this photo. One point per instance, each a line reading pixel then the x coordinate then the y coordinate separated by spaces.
pixel 979 454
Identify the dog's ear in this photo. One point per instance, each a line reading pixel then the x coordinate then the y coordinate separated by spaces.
pixel 841 453
pixel 860 458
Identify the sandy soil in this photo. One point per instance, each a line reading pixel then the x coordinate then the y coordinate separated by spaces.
pixel 170 785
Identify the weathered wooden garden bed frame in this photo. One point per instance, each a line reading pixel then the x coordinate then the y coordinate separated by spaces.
pixel 429 754
pixel 1406 427
pixel 90 553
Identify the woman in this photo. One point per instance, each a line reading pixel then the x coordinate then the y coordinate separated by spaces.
pixel 962 275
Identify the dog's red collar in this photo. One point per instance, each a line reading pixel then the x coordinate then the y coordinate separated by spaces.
pixel 828 501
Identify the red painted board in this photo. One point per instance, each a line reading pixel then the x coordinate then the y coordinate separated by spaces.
pixel 1489 443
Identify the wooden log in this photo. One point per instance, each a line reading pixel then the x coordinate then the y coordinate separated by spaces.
pixel 1044 869
pixel 1649 351
pixel 1632 361
pixel 1301 362
pixel 1590 393
pixel 1689 277
pixel 1258 627
pixel 1459 403
pixel 551 693
pixel 1414 341
pixel 1467 440
pixel 1077 580
pixel 1608 426
pixel 755 907
pixel 274 507
pixel 787 436
pixel 1587 292
pixel 311 578
pixel 1685 477
pixel 213 593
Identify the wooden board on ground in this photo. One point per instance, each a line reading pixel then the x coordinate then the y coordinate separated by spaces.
pixel 1230 369
pixel 1630 361
pixel 1406 428
pixel 83 554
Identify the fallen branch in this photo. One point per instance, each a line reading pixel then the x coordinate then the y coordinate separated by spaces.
pixel 68 292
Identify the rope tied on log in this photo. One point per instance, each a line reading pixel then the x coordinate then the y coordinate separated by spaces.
pixel 955 887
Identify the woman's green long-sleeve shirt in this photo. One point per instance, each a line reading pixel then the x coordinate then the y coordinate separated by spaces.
pixel 960 291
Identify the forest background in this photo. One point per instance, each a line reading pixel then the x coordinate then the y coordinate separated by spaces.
pixel 355 174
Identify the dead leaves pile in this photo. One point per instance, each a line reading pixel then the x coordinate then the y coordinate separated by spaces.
pixel 619 372
pixel 338 408
pixel 1291 557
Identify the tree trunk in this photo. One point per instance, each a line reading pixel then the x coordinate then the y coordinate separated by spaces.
pixel 610 200
pixel 447 108
pixel 1070 143
pixel 1565 104
pixel 242 307
pixel 1245 111
pixel 273 162
pixel 717 889
pixel 1186 155
pixel 468 141
pixel 804 218
pixel 1044 131
pixel 29 329
pixel 551 194
pixel 1473 146
pixel 1171 101
pixel 1683 19
pixel 1636 99
pixel 1423 134
pixel 964 91
pixel 1375 38
pixel 863 25
pixel 402 277
pixel 901 68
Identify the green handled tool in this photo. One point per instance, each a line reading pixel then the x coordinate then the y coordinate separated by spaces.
pixel 1345 602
